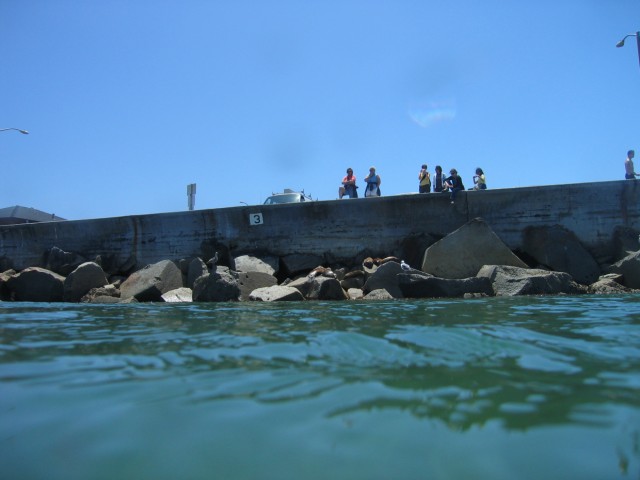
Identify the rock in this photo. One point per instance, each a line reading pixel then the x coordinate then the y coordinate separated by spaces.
pixel 326 288
pixel 629 268
pixel 179 295
pixel 86 276
pixel 249 263
pixel 61 262
pixel 104 299
pixel 297 263
pixel 148 284
pixel 250 281
pixel 354 279
pixel 5 292
pixel 100 293
pixel 35 284
pixel 379 294
pixel 463 252
pixel 607 286
pixel 508 281
pixel 218 286
pixel 385 277
pixel 355 293
pixel 625 242
pixel 195 270
pixel 560 250
pixel 421 285
pixel 276 293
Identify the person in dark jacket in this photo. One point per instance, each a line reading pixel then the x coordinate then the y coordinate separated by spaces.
pixel 454 182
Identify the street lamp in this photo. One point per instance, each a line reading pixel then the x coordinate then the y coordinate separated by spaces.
pixel 637 35
pixel 24 132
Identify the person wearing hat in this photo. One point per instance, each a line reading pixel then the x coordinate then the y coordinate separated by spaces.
pixel 348 185
pixel 373 183
pixel 425 180
pixel 454 182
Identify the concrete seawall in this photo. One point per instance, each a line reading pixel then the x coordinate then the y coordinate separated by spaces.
pixel 399 225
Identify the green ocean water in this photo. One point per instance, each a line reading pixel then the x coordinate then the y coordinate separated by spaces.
pixel 493 388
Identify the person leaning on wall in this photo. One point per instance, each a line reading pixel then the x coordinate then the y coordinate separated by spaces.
pixel 373 184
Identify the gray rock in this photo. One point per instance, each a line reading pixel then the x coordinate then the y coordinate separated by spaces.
pixel 195 270
pixel 629 268
pixel 179 295
pixel 379 294
pixel 319 288
pixel 86 276
pixel 421 285
pixel 353 279
pixel 355 293
pixel 5 292
pixel 250 281
pixel 276 293
pixel 250 263
pixel 560 250
pixel 218 286
pixel 463 252
pixel 35 284
pixel 508 281
pixel 100 292
pixel 148 284
pixel 625 242
pixel 608 286
pixel 103 299
pixel 385 277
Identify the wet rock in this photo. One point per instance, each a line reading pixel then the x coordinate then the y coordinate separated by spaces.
pixel 508 281
pixel 385 277
pixel 96 295
pixel 379 294
pixel 421 285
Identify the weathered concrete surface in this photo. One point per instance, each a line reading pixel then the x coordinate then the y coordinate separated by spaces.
pixel 338 229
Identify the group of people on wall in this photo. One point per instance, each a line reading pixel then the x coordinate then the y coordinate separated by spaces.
pixel 451 184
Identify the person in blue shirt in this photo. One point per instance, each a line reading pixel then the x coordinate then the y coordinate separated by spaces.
pixel 454 182
pixel 373 183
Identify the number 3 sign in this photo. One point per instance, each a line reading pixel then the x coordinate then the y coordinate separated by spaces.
pixel 255 219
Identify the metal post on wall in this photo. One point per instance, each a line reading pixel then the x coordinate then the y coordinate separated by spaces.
pixel 191 194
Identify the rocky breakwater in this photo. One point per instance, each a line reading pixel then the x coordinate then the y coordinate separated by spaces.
pixel 469 262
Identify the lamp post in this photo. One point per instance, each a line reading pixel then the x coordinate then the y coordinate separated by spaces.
pixel 637 35
pixel 24 132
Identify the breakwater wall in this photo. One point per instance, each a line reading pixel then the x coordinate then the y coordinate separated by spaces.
pixel 337 230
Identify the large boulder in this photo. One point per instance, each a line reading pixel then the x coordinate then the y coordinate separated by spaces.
pixel 385 277
pixel 319 287
pixel 148 284
pixel 107 294
pixel 35 284
pixel 508 281
pixel 608 285
pixel 86 276
pixel 218 286
pixel 250 281
pixel 463 252
pixel 195 270
pixel 276 293
pixel 250 263
pixel 559 249
pixel 629 268
pixel 625 242
pixel 422 285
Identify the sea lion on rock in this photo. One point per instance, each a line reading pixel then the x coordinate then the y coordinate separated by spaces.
pixel 321 272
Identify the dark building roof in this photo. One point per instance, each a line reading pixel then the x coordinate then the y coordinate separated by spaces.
pixel 18 214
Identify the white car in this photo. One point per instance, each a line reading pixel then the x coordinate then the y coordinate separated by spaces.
pixel 289 196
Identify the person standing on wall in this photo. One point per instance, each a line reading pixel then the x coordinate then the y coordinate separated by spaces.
pixel 348 185
pixel 438 180
pixel 425 180
pixel 373 183
pixel 629 171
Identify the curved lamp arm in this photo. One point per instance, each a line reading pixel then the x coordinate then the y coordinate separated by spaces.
pixel 24 132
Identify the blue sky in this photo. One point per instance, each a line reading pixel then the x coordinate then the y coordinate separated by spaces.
pixel 129 101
